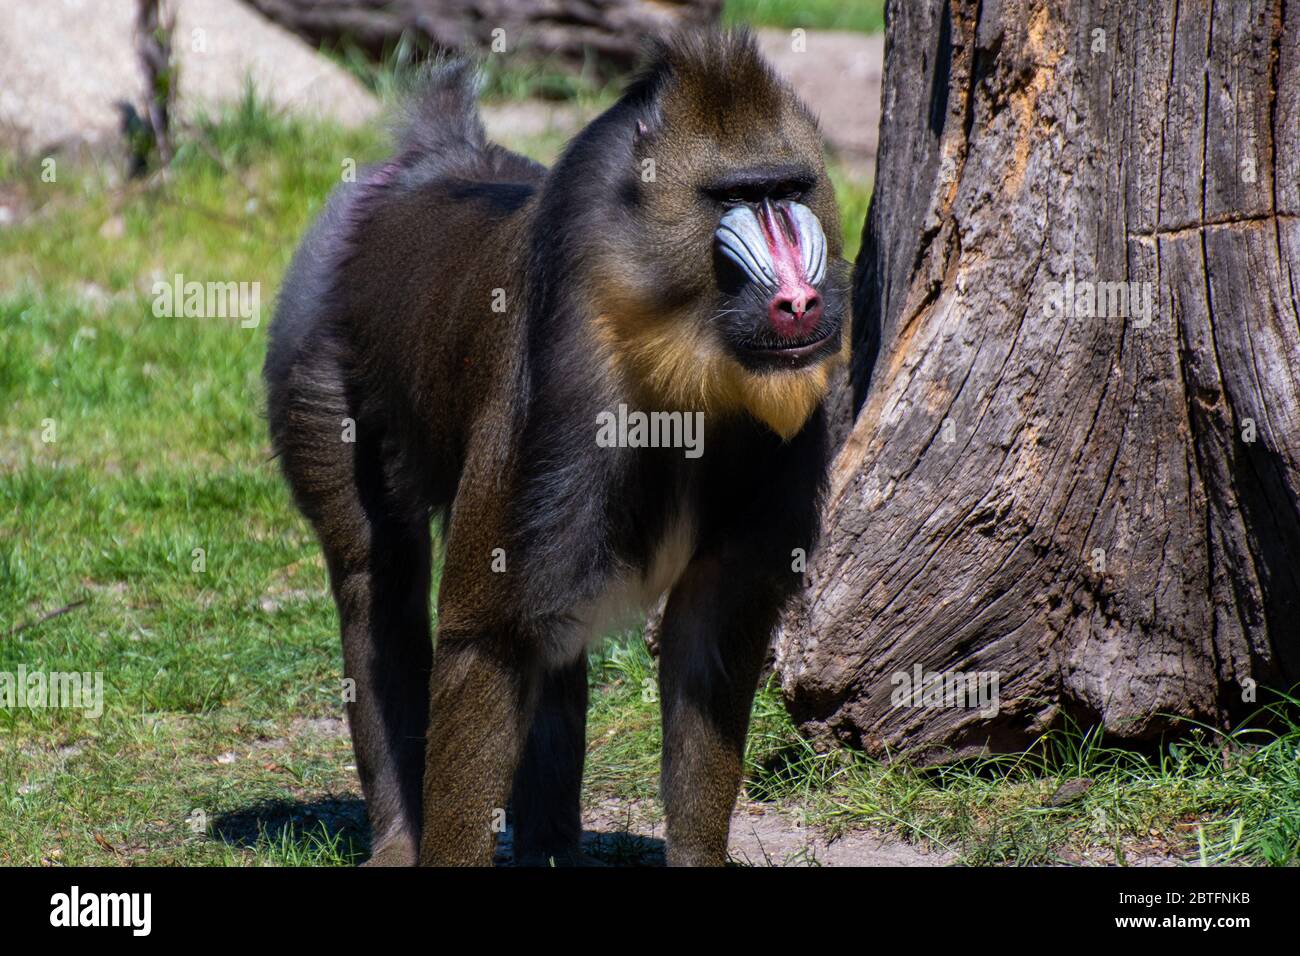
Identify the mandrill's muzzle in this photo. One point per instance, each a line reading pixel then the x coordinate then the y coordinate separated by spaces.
pixel 781 249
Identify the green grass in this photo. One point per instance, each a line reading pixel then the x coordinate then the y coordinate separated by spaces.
pixel 221 740
pixel 867 16
pixel 159 449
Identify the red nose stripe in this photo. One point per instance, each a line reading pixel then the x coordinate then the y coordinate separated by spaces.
pixel 793 288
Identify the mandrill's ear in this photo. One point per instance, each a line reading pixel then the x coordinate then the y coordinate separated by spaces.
pixel 646 126
pixel 645 142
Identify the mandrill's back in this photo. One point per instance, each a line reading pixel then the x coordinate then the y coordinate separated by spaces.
pixel 390 294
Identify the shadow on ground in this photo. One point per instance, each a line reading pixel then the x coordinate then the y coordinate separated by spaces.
pixel 340 823
pixel 603 848
pixel 331 822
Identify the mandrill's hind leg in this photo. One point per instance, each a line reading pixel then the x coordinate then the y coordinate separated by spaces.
pixel 378 555
pixel 387 650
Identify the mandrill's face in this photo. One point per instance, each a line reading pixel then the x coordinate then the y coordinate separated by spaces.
pixel 738 301
pixel 777 311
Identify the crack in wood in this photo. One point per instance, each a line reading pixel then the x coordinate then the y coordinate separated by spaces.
pixel 1197 228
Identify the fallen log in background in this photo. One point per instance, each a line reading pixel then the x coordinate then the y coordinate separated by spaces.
pixel 610 30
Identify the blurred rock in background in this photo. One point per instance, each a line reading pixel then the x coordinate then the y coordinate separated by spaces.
pixel 65 64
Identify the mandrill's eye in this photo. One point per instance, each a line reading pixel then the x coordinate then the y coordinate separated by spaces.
pixel 737 193
pixel 731 196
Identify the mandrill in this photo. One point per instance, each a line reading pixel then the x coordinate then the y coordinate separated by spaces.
pixel 450 337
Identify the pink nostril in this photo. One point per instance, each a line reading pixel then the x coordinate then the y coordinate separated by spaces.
pixel 799 304
pixel 795 315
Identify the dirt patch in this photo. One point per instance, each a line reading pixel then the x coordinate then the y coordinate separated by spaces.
pixel 630 833
pixel 319 727
pixel 762 837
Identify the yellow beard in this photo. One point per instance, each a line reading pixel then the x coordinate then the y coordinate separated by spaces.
pixel 672 364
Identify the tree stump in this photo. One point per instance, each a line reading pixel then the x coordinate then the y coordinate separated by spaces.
pixel 1076 360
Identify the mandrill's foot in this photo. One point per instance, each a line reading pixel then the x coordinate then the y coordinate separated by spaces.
pixel 397 850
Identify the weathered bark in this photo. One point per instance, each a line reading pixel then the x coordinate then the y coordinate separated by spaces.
pixel 1103 512
pixel 610 30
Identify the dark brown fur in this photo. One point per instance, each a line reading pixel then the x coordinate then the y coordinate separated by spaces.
pixel 488 418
